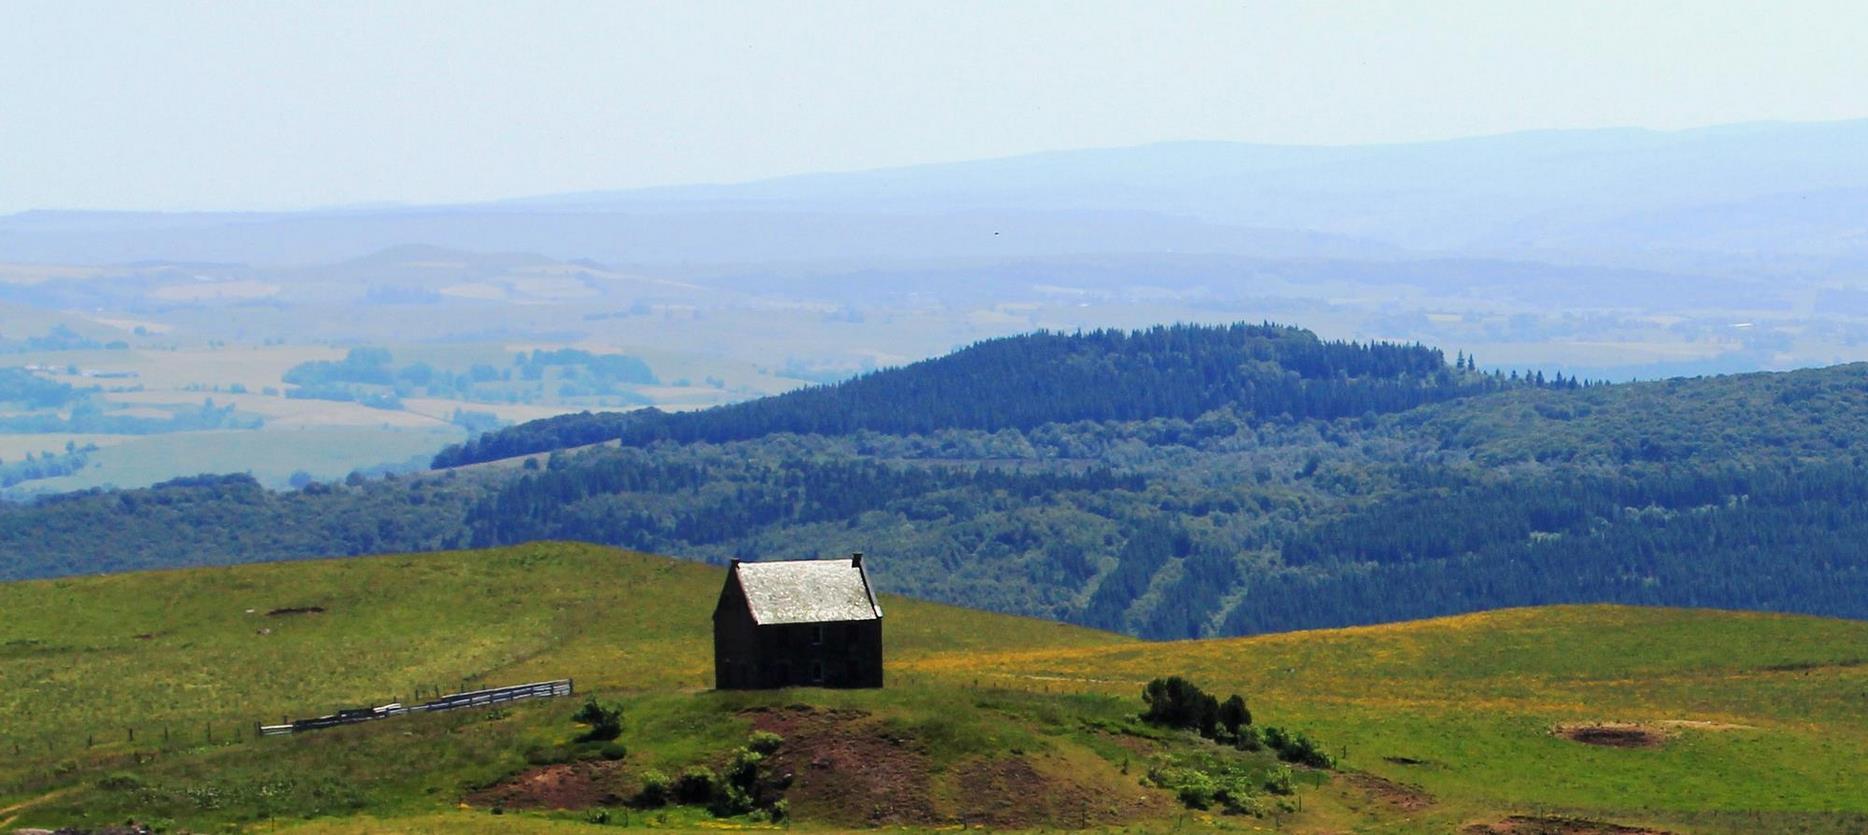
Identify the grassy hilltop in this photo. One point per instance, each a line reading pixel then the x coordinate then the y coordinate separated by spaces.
pixel 1757 722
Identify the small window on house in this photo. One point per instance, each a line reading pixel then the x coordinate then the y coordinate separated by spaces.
pixel 817 671
pixel 817 636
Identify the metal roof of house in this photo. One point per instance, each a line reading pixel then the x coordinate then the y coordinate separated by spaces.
pixel 807 591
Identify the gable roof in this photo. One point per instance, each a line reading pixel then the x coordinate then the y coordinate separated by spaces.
pixel 807 591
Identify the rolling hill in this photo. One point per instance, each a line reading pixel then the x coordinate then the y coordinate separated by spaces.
pixel 1745 722
pixel 1173 483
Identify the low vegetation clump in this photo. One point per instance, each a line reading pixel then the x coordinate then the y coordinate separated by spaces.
pixel 1297 748
pixel 1235 785
pixel 1175 702
pixel 604 720
pixel 746 787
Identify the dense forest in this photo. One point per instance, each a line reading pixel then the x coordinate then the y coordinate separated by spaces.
pixel 1304 498
pixel 1022 382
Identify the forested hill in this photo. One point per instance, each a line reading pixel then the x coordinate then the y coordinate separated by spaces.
pixel 1746 491
pixel 1022 382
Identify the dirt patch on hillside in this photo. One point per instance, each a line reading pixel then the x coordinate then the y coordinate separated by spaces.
pixel 847 768
pixel 562 786
pixel 296 610
pixel 1524 825
pixel 1612 734
pixel 1044 791
pixel 1398 796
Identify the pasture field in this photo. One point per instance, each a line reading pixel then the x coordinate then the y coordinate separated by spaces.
pixel 1760 722
pixel 325 438
pixel 270 455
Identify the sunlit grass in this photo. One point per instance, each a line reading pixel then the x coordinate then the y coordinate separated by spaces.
pixel 84 662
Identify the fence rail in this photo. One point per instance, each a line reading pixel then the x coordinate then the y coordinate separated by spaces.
pixel 452 701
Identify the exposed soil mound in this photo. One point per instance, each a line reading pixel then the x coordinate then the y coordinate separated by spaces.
pixel 1027 792
pixel 1523 825
pixel 847 768
pixel 1398 796
pixel 296 610
pixel 852 769
pixel 1612 735
pixel 563 786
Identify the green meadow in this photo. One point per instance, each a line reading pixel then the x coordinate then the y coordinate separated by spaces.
pixel 135 695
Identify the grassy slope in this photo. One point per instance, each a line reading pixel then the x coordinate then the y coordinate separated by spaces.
pixel 1473 696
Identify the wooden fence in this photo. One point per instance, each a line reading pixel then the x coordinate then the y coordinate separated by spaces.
pixel 452 701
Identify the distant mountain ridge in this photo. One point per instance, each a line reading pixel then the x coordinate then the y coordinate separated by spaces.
pixel 1493 196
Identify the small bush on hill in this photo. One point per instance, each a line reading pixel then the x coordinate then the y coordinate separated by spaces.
pixel 764 742
pixel 605 721
pixel 1175 702
pixel 695 785
pixel 655 792
pixel 1297 748
pixel 742 789
pixel 1234 715
pixel 1249 739
pixel 1229 787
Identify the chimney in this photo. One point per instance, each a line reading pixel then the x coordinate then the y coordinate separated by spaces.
pixel 856 560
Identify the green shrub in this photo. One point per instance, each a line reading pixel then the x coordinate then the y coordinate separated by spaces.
pixel 1279 781
pixel 1249 739
pixel 743 771
pixel 1234 715
pixel 655 790
pixel 1196 789
pixel 605 721
pixel 1231 786
pixel 1175 702
pixel 764 742
pixel 695 785
pixel 1297 748
pixel 729 800
pixel 614 751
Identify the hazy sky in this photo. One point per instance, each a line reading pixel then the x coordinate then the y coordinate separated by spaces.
pixel 172 105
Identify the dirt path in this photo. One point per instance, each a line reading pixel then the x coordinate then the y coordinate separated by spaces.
pixel 10 813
